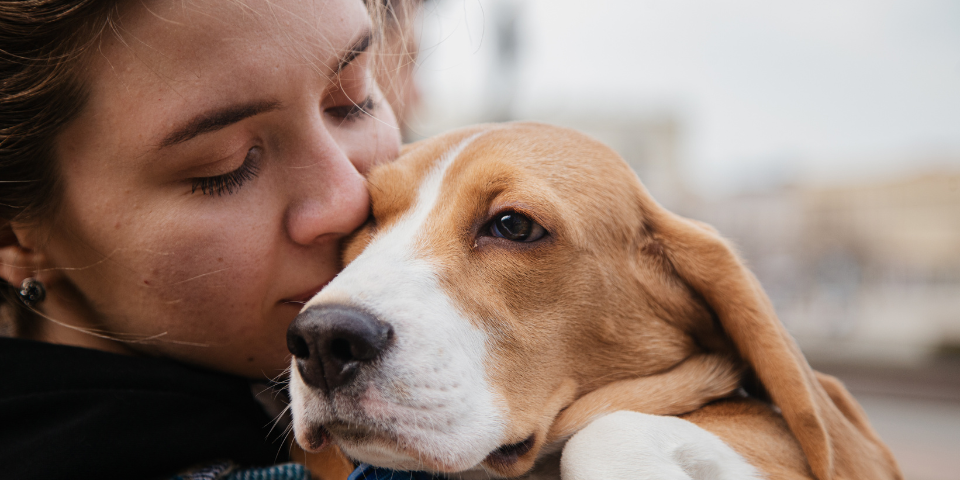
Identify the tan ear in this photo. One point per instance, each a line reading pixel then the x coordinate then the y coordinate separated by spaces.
pixel 831 428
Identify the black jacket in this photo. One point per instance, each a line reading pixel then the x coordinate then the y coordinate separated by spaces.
pixel 68 412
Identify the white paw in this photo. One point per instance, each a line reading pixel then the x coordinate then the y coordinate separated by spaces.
pixel 632 446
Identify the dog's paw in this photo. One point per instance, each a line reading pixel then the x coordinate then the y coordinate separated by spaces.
pixel 630 445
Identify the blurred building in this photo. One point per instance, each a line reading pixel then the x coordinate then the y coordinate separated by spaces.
pixel 859 272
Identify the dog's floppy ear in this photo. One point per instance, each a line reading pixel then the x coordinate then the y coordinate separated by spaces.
pixel 829 424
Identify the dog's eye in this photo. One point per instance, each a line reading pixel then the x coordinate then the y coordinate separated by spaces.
pixel 517 227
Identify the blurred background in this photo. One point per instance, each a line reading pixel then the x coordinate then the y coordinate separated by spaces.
pixel 822 137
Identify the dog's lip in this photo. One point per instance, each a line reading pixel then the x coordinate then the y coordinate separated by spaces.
pixel 507 455
pixel 303 298
pixel 317 440
pixel 350 430
pixel 344 433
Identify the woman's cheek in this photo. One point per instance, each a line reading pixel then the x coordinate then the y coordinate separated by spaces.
pixel 388 149
pixel 374 141
pixel 187 274
pixel 220 272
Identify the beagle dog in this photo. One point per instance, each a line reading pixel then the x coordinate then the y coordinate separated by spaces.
pixel 518 305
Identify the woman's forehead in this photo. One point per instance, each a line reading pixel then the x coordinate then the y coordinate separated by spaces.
pixel 167 60
pixel 176 38
pixel 316 24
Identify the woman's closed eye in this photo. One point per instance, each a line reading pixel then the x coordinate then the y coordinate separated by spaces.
pixel 230 182
pixel 353 110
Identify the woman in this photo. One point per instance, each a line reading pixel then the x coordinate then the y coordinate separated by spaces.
pixel 177 176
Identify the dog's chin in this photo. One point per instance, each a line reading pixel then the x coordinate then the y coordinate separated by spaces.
pixel 382 453
pixel 388 451
pixel 395 451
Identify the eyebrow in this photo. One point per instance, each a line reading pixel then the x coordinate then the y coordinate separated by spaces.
pixel 222 117
pixel 216 119
pixel 358 47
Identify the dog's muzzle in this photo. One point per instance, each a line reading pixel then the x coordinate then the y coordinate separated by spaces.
pixel 332 342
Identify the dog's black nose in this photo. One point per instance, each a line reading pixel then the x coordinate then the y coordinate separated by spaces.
pixel 331 342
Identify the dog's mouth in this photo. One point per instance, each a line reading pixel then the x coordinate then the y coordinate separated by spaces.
pixel 350 432
pixel 315 439
pixel 383 448
pixel 507 455
pixel 319 437
pixel 503 458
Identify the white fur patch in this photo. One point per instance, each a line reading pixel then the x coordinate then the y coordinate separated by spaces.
pixel 630 445
pixel 429 391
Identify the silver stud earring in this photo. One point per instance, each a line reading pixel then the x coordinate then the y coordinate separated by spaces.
pixel 32 292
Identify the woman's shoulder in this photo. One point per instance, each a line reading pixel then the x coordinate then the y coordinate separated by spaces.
pixel 70 412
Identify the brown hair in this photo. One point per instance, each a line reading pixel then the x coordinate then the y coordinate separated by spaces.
pixel 397 54
pixel 42 43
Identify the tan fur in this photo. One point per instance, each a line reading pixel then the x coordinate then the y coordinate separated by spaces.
pixel 689 386
pixel 623 306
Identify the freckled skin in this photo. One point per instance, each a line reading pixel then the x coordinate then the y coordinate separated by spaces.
pixel 136 254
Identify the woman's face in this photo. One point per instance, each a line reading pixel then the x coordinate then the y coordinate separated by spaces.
pixel 212 174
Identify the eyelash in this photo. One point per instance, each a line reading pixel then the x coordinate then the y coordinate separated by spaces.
pixel 353 111
pixel 230 182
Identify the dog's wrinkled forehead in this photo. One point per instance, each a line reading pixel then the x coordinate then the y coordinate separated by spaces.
pixel 573 182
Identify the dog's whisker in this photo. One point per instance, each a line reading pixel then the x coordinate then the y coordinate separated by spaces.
pixel 277 419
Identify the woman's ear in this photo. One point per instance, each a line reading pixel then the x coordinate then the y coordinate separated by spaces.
pixel 20 257
pixel 836 439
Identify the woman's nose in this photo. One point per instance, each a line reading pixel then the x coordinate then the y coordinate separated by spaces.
pixel 330 198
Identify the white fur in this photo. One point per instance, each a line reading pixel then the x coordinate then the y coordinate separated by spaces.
pixel 429 391
pixel 630 445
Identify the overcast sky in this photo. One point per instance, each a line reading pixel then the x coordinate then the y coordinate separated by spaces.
pixel 818 90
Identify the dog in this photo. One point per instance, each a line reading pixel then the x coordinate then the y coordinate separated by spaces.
pixel 517 305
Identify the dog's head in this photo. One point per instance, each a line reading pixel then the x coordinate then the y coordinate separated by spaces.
pixel 505 272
